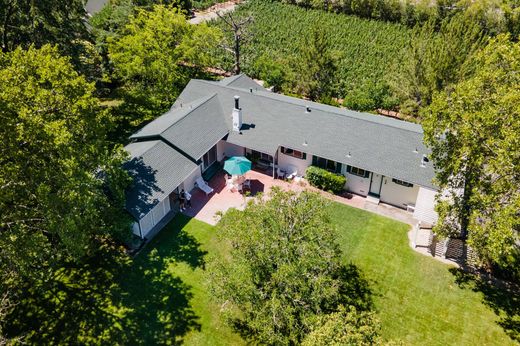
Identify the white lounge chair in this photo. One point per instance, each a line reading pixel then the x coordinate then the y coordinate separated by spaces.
pixel 291 172
pixel 201 184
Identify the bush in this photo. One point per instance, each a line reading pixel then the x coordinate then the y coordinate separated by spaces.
pixel 325 180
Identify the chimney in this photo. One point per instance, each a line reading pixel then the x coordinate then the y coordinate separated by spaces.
pixel 237 115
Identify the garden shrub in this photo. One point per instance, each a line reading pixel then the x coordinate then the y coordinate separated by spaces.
pixel 325 180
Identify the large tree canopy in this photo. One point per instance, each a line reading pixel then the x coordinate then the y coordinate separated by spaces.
pixel 283 270
pixel 474 132
pixel 23 23
pixel 156 55
pixel 61 185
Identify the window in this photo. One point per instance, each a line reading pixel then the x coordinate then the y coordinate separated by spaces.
pixel 358 171
pixel 329 165
pixel 294 153
pixel 262 156
pixel 400 182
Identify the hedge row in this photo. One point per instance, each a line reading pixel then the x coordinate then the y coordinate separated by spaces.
pixel 325 180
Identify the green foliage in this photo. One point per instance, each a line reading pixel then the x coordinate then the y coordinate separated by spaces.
pixel 473 130
pixel 370 96
pixel 272 72
pixel 434 59
pixel 317 66
pixel 282 32
pixel 494 16
pixel 325 180
pixel 25 23
pixel 108 23
pixel 155 56
pixel 203 4
pixel 282 268
pixel 61 183
pixel 344 327
pixel 182 5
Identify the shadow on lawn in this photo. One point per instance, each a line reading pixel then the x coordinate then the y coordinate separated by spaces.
pixel 503 298
pixel 113 299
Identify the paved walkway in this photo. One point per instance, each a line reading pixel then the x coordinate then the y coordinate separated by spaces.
pixel 205 208
pixel 211 12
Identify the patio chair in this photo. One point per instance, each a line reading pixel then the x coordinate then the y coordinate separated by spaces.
pixel 291 172
pixel 201 184
pixel 247 184
pixel 280 173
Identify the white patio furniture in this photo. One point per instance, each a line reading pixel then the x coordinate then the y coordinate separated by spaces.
pixel 201 184
pixel 280 173
pixel 291 172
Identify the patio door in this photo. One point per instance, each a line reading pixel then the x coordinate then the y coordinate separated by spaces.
pixel 209 158
pixel 375 184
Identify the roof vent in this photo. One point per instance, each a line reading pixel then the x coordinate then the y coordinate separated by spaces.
pixel 424 160
pixel 305 143
pixel 348 155
pixel 251 90
pixel 307 109
pixel 415 150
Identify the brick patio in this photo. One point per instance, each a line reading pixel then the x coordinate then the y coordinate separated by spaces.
pixel 204 208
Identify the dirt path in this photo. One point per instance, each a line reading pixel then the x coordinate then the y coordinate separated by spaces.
pixel 211 12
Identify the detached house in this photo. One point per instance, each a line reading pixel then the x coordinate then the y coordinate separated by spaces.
pixel 382 158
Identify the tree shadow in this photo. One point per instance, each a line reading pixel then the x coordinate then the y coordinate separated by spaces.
pixel 112 298
pixel 503 298
pixel 139 196
pixel 355 290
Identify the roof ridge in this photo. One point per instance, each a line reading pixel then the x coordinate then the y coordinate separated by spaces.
pixel 289 98
pixel 189 111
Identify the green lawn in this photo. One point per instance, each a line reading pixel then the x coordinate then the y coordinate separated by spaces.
pixel 417 298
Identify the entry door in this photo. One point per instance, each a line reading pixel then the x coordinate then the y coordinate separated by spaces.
pixel 375 184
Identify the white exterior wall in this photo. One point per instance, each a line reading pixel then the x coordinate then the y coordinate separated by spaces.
pixel 135 229
pixel 232 150
pixel 424 207
pixel 189 182
pixel 356 184
pixel 398 195
pixel 154 216
pixel 284 161
pixel 221 149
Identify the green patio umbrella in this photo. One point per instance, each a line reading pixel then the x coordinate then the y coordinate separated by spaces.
pixel 237 165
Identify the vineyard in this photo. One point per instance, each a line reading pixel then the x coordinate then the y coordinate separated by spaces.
pixel 368 50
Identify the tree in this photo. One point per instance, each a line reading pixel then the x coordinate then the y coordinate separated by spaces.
pixel 283 269
pixel 473 132
pixel 434 59
pixel 241 34
pixel 344 327
pixel 317 67
pixel 109 22
pixel 156 55
pixel 24 23
pixel 61 183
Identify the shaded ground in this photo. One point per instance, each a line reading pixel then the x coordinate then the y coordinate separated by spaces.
pixel 417 298
pixel 161 297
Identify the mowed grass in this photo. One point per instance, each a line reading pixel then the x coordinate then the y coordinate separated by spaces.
pixel 416 297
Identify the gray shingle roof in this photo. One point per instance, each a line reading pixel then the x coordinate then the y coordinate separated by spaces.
pixel 168 147
pixel 375 143
pixel 193 127
pixel 157 169
pixel 242 81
